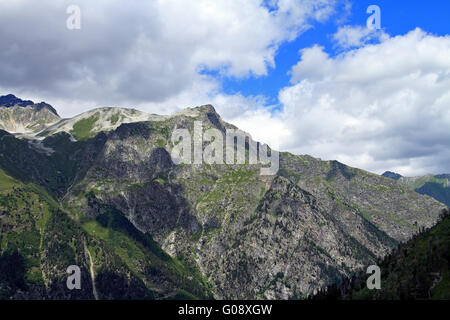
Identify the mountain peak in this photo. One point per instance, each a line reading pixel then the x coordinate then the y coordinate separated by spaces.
pixel 89 123
pixel 197 111
pixel 392 175
pixel 205 108
pixel 11 100
pixel 41 105
pixel 24 116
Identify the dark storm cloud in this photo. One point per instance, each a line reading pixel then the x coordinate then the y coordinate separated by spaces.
pixel 39 54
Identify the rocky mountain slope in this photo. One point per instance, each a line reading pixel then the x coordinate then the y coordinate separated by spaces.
pixel 24 116
pixel 201 230
pixel 90 123
pixel 417 269
pixel 436 186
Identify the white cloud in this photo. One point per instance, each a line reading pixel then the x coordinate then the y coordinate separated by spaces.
pixel 314 65
pixel 357 36
pixel 128 52
pixel 382 106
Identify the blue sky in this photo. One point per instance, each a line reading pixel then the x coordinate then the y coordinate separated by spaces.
pixel 397 18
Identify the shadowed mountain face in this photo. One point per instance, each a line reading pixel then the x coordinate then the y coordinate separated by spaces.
pixel 222 231
pixel 436 186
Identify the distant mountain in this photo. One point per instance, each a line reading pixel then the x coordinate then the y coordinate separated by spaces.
pixel 90 123
pixel 101 191
pixel 436 186
pixel 24 116
pixel 11 100
pixel 392 175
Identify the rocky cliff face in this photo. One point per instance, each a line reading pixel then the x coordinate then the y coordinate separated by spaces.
pixel 415 270
pixel 218 229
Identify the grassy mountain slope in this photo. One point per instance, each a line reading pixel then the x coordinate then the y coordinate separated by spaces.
pixel 39 241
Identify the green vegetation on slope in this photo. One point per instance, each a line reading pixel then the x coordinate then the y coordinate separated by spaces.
pixel 42 241
pixel 25 212
pixel 82 129
pixel 138 249
pixel 114 118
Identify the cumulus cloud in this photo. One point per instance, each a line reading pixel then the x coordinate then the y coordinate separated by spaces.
pixel 130 52
pixel 356 36
pixel 382 106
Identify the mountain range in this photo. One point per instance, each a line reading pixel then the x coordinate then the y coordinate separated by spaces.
pixel 101 191
pixel 436 186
